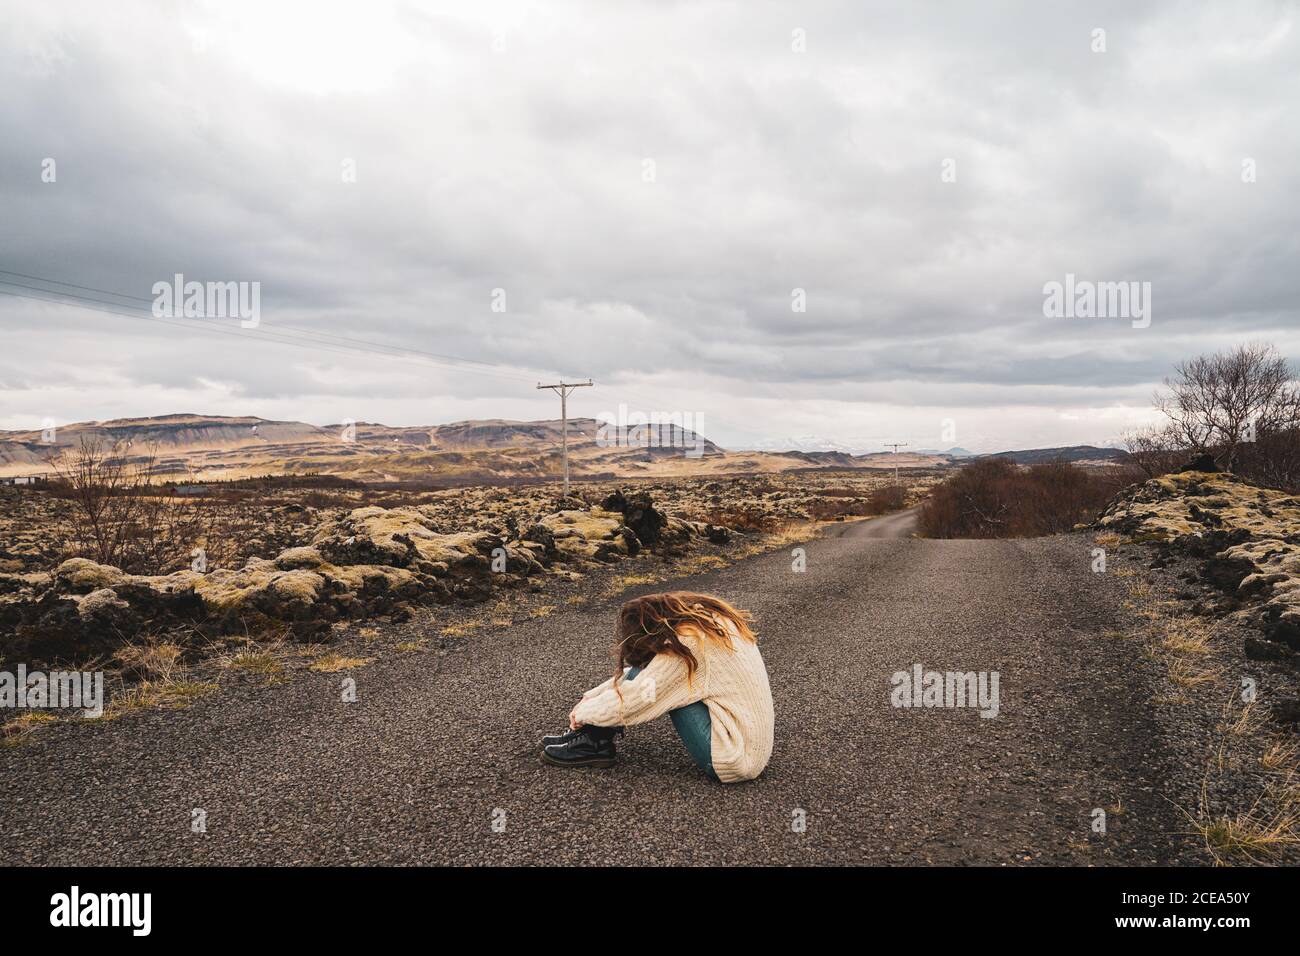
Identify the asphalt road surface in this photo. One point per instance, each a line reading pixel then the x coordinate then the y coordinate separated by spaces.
pixel 437 763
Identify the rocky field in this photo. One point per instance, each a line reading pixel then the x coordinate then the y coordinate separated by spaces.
pixel 1213 575
pixel 1247 540
pixel 284 561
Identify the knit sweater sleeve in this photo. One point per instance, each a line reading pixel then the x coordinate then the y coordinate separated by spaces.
pixel 660 687
pixel 602 687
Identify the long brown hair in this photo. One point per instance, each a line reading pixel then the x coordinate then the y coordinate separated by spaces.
pixel 652 624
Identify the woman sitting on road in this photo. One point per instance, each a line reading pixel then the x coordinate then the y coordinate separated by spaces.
pixel 694 658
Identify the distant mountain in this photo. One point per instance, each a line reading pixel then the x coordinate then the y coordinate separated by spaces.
pixel 811 444
pixel 213 447
pixel 953 452
pixel 821 459
pixel 1082 454
pixel 216 447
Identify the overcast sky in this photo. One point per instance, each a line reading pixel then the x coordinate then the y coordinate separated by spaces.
pixel 648 184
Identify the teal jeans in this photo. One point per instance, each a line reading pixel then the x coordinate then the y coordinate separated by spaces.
pixel 694 725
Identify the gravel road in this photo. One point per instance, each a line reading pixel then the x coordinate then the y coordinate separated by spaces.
pixel 436 762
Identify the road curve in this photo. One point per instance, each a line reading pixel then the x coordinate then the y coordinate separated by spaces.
pixel 901 524
pixel 436 761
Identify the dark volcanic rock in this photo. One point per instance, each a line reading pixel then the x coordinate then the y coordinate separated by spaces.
pixel 1212 542
pixel 1227 573
pixel 1287 711
pixel 1257 650
pixel 1201 463
pixel 540 534
pixel 639 514
pixel 1284 629
pixel 1207 518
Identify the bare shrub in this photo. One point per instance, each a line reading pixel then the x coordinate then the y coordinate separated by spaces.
pixel 121 518
pixel 102 484
pixel 839 492
pixel 1272 459
pixel 1155 450
pixel 993 498
pixel 886 499
pixel 828 509
pixel 322 500
pixel 747 519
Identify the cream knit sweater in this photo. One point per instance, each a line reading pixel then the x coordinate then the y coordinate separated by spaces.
pixel 731 682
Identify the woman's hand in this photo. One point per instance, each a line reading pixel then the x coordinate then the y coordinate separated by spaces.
pixel 573 721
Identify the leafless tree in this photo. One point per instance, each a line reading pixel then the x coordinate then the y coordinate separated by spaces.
pixel 1273 459
pixel 100 484
pixel 1241 406
pixel 1215 403
pixel 1155 449
pixel 120 517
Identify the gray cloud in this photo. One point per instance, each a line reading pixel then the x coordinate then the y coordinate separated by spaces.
pixel 522 167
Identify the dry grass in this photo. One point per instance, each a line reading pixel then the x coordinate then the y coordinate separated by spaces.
pixel 1272 823
pixel 1155 611
pixel 160 668
pixel 786 535
pixel 160 662
pixel 1237 729
pixel 1255 835
pixel 407 647
pixel 545 610
pixel 461 628
pixel 624 581
pixel 1248 835
pixel 1243 722
pixel 1280 756
pixel 147 695
pixel 255 661
pixel 1187 675
pixel 701 563
pixel 333 662
pixel 1188 635
pixel 1139 589
pixel 15 733
pixel 1180 641
pixel 1108 540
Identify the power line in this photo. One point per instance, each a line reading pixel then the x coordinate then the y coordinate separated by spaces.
pixel 214 330
pixel 312 336
pixel 293 336
pixel 288 335
pixel 73 285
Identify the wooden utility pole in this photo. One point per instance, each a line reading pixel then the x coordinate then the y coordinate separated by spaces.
pixel 895 445
pixel 563 389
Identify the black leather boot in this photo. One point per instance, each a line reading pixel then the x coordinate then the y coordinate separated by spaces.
pixel 568 735
pixel 565 737
pixel 586 747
